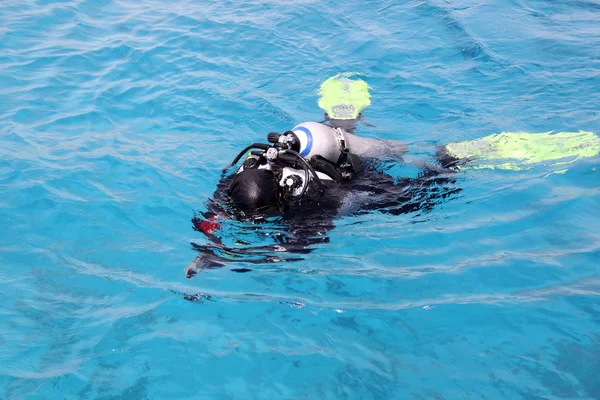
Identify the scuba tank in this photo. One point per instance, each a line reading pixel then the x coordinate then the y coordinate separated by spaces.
pixel 296 161
pixel 322 140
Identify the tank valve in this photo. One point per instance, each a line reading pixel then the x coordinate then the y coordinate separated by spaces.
pixel 273 137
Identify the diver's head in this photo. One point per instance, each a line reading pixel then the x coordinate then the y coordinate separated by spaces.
pixel 254 192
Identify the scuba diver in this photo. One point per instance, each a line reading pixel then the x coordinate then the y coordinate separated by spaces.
pixel 294 186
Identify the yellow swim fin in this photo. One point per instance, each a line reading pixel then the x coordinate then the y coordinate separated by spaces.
pixel 344 98
pixel 520 150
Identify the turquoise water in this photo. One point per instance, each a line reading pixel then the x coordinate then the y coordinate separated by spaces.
pixel 116 118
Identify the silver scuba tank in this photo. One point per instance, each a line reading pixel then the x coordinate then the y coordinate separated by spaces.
pixel 320 139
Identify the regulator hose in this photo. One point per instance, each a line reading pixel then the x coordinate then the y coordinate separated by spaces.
pixel 261 146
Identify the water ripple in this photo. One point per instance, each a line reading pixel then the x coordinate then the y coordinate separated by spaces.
pixel 116 118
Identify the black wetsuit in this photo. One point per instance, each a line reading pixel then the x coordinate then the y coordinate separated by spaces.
pixel 300 226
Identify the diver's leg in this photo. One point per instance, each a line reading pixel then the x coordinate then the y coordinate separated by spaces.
pixel 375 148
pixel 446 160
pixel 389 195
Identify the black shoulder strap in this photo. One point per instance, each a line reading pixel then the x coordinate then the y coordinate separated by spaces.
pixel 323 165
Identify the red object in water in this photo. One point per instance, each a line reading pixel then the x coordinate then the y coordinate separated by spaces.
pixel 208 226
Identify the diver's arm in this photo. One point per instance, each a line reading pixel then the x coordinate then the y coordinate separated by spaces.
pixel 298 235
pixel 298 238
pixel 209 223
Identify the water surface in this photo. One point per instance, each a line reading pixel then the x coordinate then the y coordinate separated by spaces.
pixel 116 118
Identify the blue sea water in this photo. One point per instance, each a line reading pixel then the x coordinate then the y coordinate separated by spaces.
pixel 117 116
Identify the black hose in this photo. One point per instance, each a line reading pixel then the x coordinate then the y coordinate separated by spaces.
pixel 261 146
pixel 307 167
